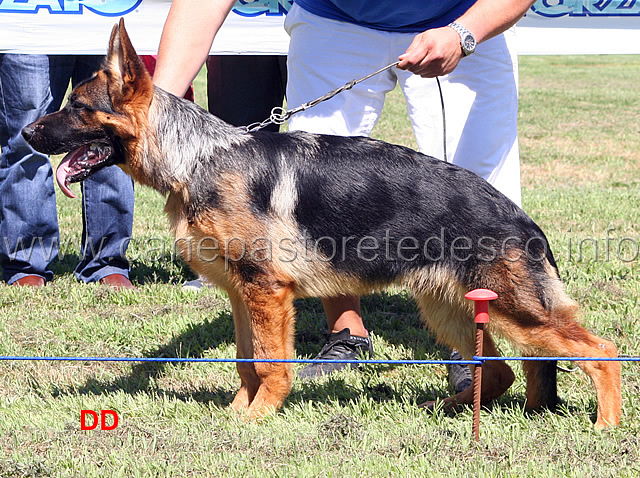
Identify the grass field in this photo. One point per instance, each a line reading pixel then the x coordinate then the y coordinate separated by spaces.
pixel 580 149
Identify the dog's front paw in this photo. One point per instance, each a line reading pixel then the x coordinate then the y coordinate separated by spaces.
pixel 241 401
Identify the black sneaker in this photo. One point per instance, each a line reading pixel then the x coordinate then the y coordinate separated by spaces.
pixel 459 374
pixel 340 346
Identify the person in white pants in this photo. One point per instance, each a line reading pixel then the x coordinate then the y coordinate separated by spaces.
pixel 480 95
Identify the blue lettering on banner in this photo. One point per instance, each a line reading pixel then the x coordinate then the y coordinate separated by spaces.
pixel 253 8
pixel 111 8
pixel 587 8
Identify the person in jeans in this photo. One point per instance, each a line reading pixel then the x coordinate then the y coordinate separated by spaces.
pixel 30 87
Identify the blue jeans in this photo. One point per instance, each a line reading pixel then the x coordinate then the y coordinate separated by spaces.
pixel 30 87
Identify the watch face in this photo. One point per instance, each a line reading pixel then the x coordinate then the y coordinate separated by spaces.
pixel 468 44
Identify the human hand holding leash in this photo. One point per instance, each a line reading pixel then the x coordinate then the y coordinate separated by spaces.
pixel 432 53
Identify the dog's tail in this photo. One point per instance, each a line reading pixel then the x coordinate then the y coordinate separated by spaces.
pixel 532 304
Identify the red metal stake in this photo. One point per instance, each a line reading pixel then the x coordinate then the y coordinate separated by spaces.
pixel 481 298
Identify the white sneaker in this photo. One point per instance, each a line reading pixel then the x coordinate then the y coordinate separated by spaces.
pixel 196 284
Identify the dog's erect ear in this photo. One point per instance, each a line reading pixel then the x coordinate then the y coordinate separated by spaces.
pixel 114 46
pixel 123 61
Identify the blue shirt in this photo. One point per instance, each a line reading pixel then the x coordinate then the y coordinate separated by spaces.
pixel 410 16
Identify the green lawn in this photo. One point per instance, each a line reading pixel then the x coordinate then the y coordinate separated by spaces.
pixel 580 149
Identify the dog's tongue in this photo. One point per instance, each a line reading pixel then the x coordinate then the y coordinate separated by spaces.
pixel 62 174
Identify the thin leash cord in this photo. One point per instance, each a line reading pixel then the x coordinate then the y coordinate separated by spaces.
pixel 279 115
pixel 444 122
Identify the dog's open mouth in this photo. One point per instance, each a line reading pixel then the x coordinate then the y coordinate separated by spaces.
pixel 80 163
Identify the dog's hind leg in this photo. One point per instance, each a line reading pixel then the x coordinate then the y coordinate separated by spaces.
pixel 534 312
pixel 497 376
pixel 264 330
pixel 453 325
pixel 559 335
pixel 542 384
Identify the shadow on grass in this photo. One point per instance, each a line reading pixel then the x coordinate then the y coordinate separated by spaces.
pixel 393 317
pixel 191 343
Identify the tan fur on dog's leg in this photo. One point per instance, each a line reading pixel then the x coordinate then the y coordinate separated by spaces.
pixel 606 378
pixel 272 326
pixel 452 323
pixel 561 336
pixel 497 376
pixel 248 377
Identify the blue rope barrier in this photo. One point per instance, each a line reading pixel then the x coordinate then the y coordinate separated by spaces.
pixel 475 361
pixel 236 360
pixel 562 359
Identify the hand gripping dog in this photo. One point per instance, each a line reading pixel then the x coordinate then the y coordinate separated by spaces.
pixel 274 216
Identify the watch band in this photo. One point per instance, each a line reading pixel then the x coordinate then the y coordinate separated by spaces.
pixel 467 40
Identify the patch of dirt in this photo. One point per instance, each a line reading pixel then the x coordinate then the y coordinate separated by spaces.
pixel 340 426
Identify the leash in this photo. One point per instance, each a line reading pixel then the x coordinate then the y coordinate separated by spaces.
pixel 444 123
pixel 280 115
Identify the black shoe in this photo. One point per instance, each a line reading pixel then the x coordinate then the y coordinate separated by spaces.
pixel 340 346
pixel 459 374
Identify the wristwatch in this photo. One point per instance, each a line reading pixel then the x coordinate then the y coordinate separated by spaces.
pixel 467 40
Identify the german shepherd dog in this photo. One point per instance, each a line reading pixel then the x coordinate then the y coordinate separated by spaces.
pixel 270 217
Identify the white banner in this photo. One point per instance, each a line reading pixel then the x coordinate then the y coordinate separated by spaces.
pixel 84 26
pixel 255 27
pixel 580 27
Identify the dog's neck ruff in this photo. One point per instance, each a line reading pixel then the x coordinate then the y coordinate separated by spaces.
pixel 171 162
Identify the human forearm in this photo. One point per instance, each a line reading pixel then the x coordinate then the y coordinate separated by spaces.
pixel 186 40
pixel 488 18
pixel 437 51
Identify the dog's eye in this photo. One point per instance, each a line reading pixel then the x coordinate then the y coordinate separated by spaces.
pixel 76 104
